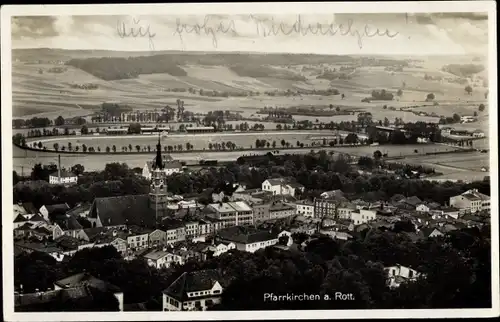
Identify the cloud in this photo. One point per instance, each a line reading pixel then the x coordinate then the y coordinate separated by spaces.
pixel 34 26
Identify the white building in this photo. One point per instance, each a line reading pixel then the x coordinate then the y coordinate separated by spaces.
pixel 237 213
pixel 220 248
pixel 362 216
pixel 471 201
pixel 65 177
pixel 305 208
pixel 169 167
pixel 281 186
pixel 423 208
pixel 194 291
pixel 157 259
pixel 478 134
pixel 399 274
pixel 248 239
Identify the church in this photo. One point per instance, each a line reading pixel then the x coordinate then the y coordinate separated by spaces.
pixel 142 210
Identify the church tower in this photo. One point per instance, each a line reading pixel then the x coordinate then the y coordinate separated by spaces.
pixel 158 190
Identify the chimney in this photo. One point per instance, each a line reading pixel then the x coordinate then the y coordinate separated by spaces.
pixel 59 168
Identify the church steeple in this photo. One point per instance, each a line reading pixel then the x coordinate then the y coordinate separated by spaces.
pixel 158 165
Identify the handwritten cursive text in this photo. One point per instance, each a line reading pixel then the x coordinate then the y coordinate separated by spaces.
pixel 205 28
pixel 136 31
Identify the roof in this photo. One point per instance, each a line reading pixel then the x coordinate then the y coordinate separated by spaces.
pixel 428 231
pixel 240 206
pixel 79 209
pixel 68 223
pixel 26 226
pixel 194 282
pixel 37 217
pixel 280 181
pixel 155 255
pixel 29 208
pixel 413 200
pixel 222 207
pixel 470 196
pixel 20 218
pixel 123 210
pixel 86 279
pixel 246 235
pixel 57 208
pixel 280 206
pixel 68 243
pixel 333 193
pixel 92 232
pixel 64 174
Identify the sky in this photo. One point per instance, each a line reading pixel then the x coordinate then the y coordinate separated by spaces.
pixel 398 33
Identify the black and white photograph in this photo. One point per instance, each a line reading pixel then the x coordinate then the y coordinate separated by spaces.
pixel 245 161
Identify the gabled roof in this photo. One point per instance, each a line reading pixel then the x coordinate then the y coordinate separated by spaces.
pixel 92 232
pixel 246 235
pixel 124 210
pixel 86 279
pixel 413 200
pixel 61 208
pixel 68 223
pixel 155 255
pixel 194 282
pixel 37 217
pixel 29 208
pixel 20 218
pixel 26 226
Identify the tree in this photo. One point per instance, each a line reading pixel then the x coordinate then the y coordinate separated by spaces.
pixel 386 122
pixel 56 146
pixel 377 155
pixel 283 143
pixel 59 121
pixel 456 118
pixel 338 107
pixel 78 169
pixel 351 138
pixel 430 97
pixel 481 107
pixel 108 149
pixel 134 128
pixel 400 92
pixel 468 89
pixel 114 148
pixel 84 130
pixel 19 139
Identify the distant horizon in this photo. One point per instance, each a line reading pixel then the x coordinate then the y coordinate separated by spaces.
pixel 159 52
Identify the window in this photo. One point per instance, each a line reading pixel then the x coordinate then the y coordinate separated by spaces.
pixel 216 291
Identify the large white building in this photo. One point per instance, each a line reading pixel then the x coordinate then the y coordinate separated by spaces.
pixel 248 239
pixel 305 208
pixel 399 274
pixel 237 213
pixel 63 177
pixel 471 201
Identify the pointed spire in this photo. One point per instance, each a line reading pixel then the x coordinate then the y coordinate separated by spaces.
pixel 158 160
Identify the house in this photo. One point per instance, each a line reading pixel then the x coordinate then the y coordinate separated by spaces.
pixel 157 238
pixel 20 220
pixel 50 211
pixel 26 209
pixel 345 209
pixel 399 274
pixel 219 248
pixel 174 230
pixel 169 167
pixel 194 291
pixel 80 210
pixel 431 232
pixel 63 177
pixel 335 234
pixel 422 208
pixel 113 237
pixel 471 201
pixel 282 186
pixel 137 238
pixel 69 226
pixel 362 216
pixel 445 212
pixel 289 240
pixel 70 245
pixel 53 251
pixel 157 259
pixel 261 212
pixel 90 281
pixel 413 201
pixel 231 213
pixel 248 239
pixel 279 210
pixel 305 208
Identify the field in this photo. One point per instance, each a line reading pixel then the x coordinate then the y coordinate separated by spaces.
pixel 49 94
pixel 199 142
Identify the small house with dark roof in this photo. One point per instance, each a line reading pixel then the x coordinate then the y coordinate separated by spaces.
pixel 194 291
pixel 67 226
pixel 20 220
pixel 85 279
pixel 413 201
pixel 63 177
pixel 52 211
pixel 247 238
pixel 431 232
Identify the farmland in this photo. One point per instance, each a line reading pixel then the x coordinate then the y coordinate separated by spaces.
pixel 37 92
